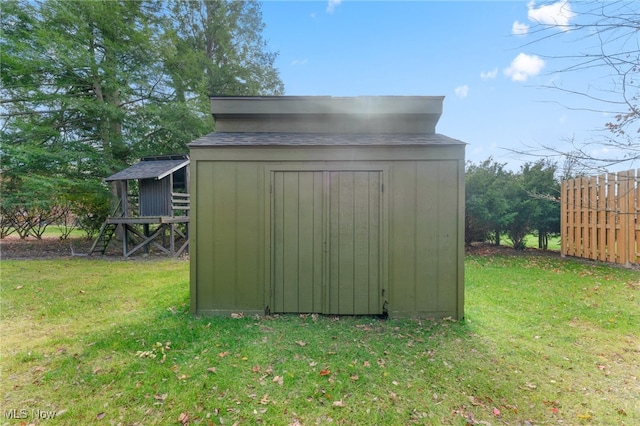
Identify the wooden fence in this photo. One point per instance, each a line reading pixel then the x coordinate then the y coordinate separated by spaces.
pixel 601 217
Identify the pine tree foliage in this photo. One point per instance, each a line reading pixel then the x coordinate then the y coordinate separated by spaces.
pixel 89 87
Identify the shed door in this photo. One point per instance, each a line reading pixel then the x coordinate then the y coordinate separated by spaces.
pixel 326 242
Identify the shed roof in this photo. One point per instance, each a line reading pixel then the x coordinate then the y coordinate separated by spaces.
pixel 322 139
pixel 152 168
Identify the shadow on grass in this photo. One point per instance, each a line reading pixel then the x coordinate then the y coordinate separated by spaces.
pixel 273 370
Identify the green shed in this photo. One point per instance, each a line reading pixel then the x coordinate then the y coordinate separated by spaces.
pixel 346 206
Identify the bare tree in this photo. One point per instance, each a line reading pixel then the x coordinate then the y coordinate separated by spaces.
pixel 610 32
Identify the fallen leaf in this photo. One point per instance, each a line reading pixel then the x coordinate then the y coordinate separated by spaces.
pixel 278 379
pixel 97 370
pixel 19 287
pixel 393 396
pixel 584 416
pixel 325 372
pixel 313 364
pixel 223 354
pixel 100 416
pixel 366 364
pixel 237 315
pixel 301 343
pixel 339 403
pixel 212 369
pixel 354 377
pixel 81 292
pixel 474 401
pixel 183 418
pixel 39 369
pixel 256 369
pixel 160 397
pixel 265 399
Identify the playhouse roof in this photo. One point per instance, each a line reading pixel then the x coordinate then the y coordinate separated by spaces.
pixel 152 168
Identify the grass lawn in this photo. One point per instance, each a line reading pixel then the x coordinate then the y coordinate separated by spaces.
pixel 545 341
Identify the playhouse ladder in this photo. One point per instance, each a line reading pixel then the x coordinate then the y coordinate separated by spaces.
pixel 106 233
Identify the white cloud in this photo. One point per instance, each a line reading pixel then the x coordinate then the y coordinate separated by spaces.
pixel 331 6
pixel 299 61
pixel 554 14
pixel 524 66
pixel 462 91
pixel 489 75
pixel 519 28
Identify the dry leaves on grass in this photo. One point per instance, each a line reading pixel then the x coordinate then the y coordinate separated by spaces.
pixel 183 418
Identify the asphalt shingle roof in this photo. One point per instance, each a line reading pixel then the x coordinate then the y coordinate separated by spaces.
pixel 150 169
pixel 322 139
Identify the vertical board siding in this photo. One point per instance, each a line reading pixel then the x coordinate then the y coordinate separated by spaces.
pixel 424 237
pixel 224 238
pixel 202 265
pixel 600 217
pixel 448 190
pixel 248 247
pixel 403 232
pixel 427 212
pixel 229 247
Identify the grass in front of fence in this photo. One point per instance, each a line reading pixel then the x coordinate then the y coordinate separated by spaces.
pixel 531 241
pixel 545 340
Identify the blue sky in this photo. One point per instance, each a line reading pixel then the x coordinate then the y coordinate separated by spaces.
pixel 477 54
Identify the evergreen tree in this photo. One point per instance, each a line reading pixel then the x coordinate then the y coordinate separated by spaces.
pixel 88 87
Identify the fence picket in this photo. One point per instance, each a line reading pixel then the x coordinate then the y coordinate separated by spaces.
pixel 601 233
